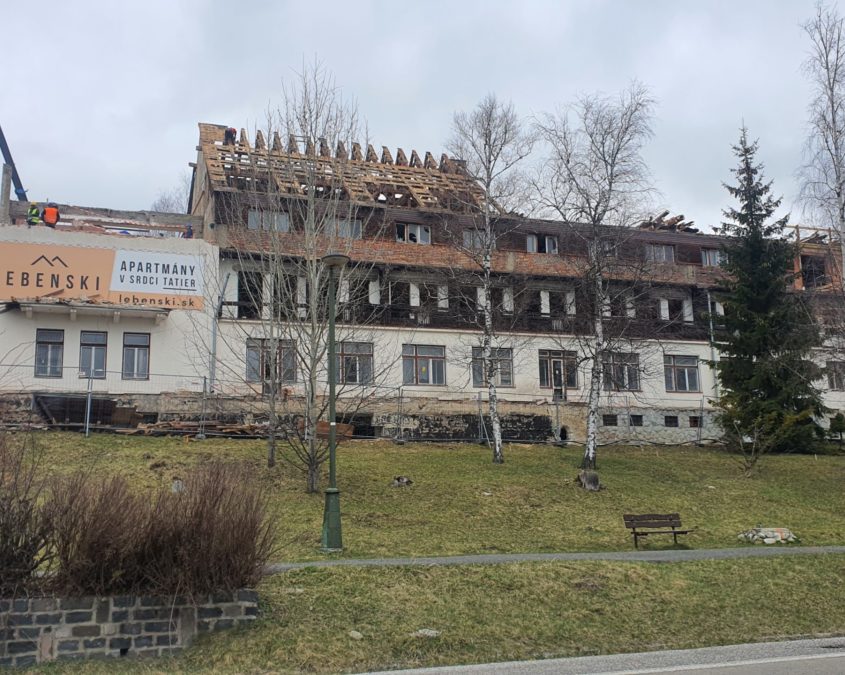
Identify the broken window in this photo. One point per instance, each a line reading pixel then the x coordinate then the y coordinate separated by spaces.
pixel 813 271
pixel 538 243
pixel 621 372
pixel 250 289
pixel 412 233
pixel 502 361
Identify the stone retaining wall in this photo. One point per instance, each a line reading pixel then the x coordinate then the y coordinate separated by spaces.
pixel 36 630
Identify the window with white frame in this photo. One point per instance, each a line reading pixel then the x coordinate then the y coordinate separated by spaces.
pixel 711 257
pixel 136 356
pixel 621 372
pixel 349 229
pixel 502 361
pixel 413 233
pixel 423 364
pixel 355 363
pixel 49 352
pixel 267 220
pixel 660 253
pixel 538 243
pixel 92 354
pixel 260 364
pixel 681 373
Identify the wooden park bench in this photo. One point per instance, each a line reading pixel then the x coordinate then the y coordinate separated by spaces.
pixel 654 523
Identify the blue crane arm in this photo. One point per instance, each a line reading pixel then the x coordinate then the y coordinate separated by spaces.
pixel 20 193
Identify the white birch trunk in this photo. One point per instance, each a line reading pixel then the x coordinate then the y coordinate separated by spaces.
pixel 594 398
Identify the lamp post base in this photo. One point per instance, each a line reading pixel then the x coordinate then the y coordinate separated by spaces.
pixel 332 537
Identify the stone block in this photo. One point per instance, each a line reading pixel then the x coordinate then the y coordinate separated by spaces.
pixel 18 619
pixel 43 604
pixel 222 624
pixel 110 628
pixel 119 615
pixel 103 610
pixel 247 595
pixel 48 619
pixel 171 651
pixel 96 643
pixel 79 617
pixel 86 631
pixel 68 645
pixel 159 626
pixel 22 661
pixel 4 606
pixel 203 626
pixel 123 601
pixel 29 633
pixel 20 605
pixel 148 614
pixel 166 640
pixel 120 643
pixel 143 641
pixel 220 597
pixel 70 656
pixel 147 653
pixel 76 603
pixel 152 601
pixel 232 611
pixel 131 628
pixel 20 647
pixel 251 612
pixel 209 612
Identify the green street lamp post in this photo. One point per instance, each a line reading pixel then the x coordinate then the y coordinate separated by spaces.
pixel 332 538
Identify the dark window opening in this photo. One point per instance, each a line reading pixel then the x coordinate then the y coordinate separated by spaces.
pixel 609 420
pixel 670 420
pixel 635 420
pixel 695 421
pixel 813 271
pixel 250 288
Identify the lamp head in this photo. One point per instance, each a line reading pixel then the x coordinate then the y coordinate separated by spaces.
pixel 335 260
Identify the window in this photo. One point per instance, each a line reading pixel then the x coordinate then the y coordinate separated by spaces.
pixel 661 253
pixel 538 243
pixel 695 421
pixel 635 420
pixel 621 371
pixel 277 221
pixel 473 239
pixel 49 348
pixel 502 360
pixel 348 229
pixel 355 363
pixel 813 271
pixel 558 369
pixel 423 364
pixel 92 354
pixel 681 373
pixel 259 362
pixel 670 420
pixel 609 420
pixel 136 356
pixel 414 234
pixel 836 375
pixel 711 257
pixel 250 290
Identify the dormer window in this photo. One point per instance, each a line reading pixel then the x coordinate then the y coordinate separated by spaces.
pixel 660 253
pixel 538 243
pixel 413 234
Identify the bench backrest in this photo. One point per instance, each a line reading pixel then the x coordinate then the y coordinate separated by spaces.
pixel 652 520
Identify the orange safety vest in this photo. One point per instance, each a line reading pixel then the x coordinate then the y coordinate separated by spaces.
pixel 50 215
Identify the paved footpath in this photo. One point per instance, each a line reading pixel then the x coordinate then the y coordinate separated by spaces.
pixel 664 556
pixel 824 656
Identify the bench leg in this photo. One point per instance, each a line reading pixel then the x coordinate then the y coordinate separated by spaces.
pixel 636 542
pixel 675 537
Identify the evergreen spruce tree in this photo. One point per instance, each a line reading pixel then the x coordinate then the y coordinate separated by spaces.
pixel 770 401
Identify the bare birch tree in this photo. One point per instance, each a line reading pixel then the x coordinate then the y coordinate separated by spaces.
pixel 492 141
pixel 823 173
pixel 595 180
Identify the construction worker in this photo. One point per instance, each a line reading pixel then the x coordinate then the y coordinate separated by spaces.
pixel 230 136
pixel 50 214
pixel 33 216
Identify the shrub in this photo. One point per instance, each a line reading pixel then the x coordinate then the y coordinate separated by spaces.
pixel 25 532
pixel 212 535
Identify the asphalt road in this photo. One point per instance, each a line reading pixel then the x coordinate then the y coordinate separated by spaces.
pixel 797 657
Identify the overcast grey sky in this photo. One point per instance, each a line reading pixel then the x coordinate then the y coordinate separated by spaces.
pixel 101 100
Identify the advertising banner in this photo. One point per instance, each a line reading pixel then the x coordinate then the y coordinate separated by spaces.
pixel 123 277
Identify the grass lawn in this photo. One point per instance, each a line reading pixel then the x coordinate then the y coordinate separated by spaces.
pixel 461 503
pixel 508 612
